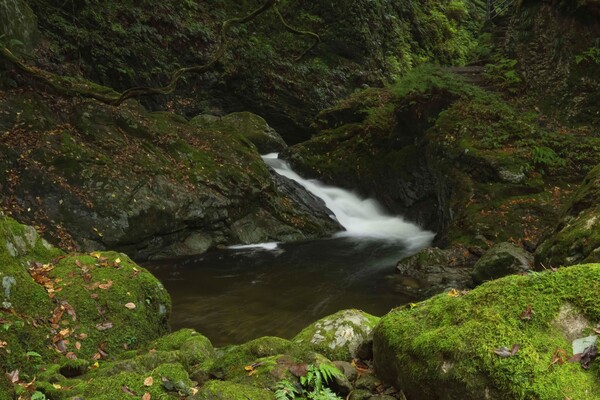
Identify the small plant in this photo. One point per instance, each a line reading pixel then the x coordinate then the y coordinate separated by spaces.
pixel 504 72
pixel 313 385
pixel 545 156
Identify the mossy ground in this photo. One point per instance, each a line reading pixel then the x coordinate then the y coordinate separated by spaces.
pixel 449 342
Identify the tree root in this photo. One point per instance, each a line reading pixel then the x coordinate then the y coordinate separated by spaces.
pixel 70 86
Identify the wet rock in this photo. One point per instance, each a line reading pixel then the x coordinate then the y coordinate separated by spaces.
pixel 367 382
pixel 338 336
pixel 151 185
pixel 347 369
pixel 501 260
pixel 444 347
pixel 435 270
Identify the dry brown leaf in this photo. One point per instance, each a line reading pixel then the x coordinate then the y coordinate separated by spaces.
pixel 130 306
pixel 104 326
pixel 3 344
pixel 146 396
pixel 13 376
pixel 148 381
pixel 78 345
pixel 106 286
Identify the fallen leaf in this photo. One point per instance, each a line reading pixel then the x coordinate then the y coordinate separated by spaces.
pixel 13 376
pixel 146 396
pixel 453 293
pixel 71 356
pixel 104 326
pixel 299 370
pixel 96 254
pixel 126 389
pixel 588 356
pixel 527 313
pixel 78 345
pixel 558 357
pixel 3 344
pixel 148 381
pixel 130 306
pixel 505 352
pixel 106 286
pixel 95 365
pixel 56 386
pixel 117 261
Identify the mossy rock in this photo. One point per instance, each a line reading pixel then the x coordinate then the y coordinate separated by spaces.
pixel 445 347
pixel 576 239
pixel 501 260
pixel 247 125
pixel 19 23
pixel 338 336
pixel 108 292
pixel 194 349
pixel 84 306
pixel 220 390
pixel 169 381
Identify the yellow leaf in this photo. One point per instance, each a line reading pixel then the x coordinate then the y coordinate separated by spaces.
pixel 117 261
pixel 148 381
pixel 95 365
pixel 453 293
pixel 249 368
pixel 96 254
pixel 56 386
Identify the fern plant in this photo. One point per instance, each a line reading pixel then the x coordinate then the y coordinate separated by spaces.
pixel 313 385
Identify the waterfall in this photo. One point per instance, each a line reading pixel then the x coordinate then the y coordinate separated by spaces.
pixel 364 218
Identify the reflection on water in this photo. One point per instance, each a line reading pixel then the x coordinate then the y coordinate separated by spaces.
pixel 235 295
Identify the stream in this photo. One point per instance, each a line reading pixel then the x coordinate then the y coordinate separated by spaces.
pixel 276 289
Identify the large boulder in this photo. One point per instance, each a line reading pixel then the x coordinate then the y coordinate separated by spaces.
pixel 501 260
pixel 76 307
pixel 148 184
pixel 340 336
pixel 576 238
pixel 18 23
pixel 507 339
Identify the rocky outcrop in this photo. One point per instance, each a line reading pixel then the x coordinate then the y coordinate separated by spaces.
pixel 498 341
pixel 557 52
pixel 501 260
pixel 150 184
pixel 363 42
pixel 576 238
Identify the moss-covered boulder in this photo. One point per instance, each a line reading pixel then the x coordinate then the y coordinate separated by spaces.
pixel 164 368
pixel 501 260
pixel 576 238
pixel 18 23
pixel 339 336
pixel 147 184
pixel 60 308
pixel 507 339
pixel 250 126
pixel 220 390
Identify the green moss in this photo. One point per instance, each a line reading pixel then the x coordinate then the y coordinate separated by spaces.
pixel 219 390
pixel 458 335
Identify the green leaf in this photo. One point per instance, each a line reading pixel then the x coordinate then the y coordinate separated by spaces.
pixel 33 354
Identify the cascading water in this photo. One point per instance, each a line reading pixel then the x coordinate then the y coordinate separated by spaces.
pixel 244 292
pixel 360 217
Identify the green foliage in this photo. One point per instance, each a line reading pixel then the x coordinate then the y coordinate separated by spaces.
pixel 545 156
pixel 503 71
pixel 591 55
pixel 313 384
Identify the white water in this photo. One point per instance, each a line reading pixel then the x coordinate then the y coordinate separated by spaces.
pixel 360 217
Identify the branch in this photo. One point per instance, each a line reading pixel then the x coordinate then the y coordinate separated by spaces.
pixel 72 87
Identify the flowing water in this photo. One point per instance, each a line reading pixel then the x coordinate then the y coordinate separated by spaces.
pixel 244 292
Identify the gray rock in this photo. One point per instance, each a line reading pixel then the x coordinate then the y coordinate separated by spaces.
pixel 17 21
pixel 501 260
